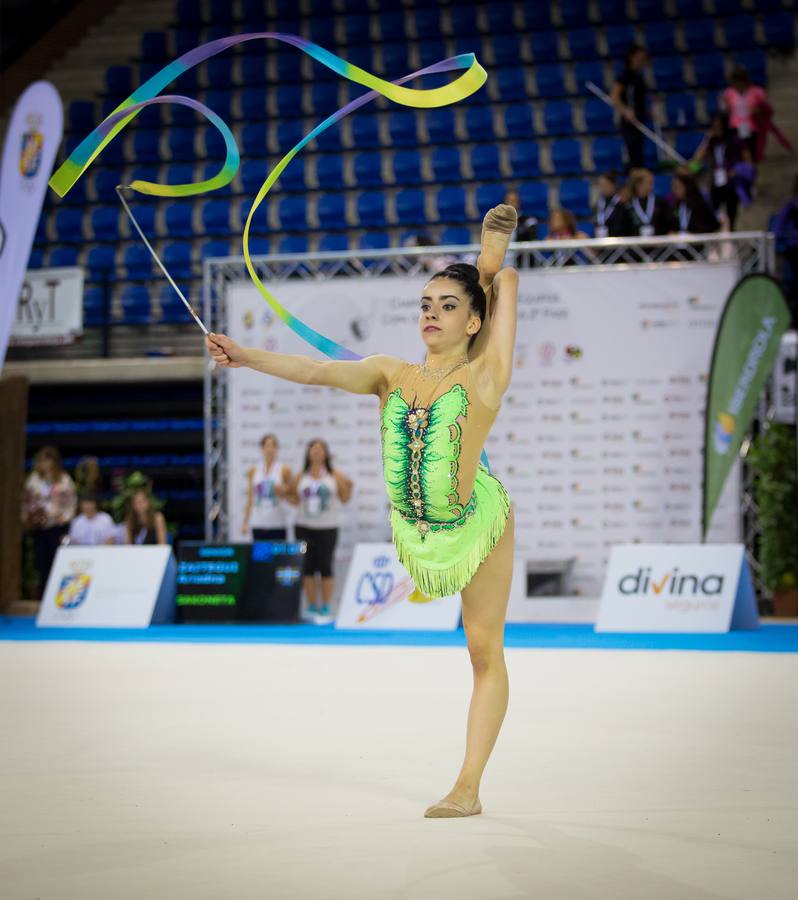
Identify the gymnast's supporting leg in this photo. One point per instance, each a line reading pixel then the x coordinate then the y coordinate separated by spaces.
pixel 484 609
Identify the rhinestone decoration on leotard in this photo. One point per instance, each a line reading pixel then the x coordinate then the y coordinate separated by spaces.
pixel 417 421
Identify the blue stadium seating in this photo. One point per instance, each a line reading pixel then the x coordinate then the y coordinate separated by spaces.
pixel 93 306
pixel 524 159
pixel 179 173
pixel 779 29
pixel 374 240
pixel 598 116
pixel 66 256
pixel 146 145
pixel 464 18
pixel 100 263
pixel 331 212
pixel 488 196
pixel 293 213
pixel 371 209
pixel 545 46
pixel 179 219
pixel 709 70
pixel 446 164
pixel 219 101
pixel 740 32
pixel 289 99
pixel 216 217
pixel 619 38
pixel 535 16
pixel 258 246
pixel 289 133
pixel 135 303
pixel 660 37
pixel 293 244
pixel 219 248
pixel 590 71
pixel 566 157
pixel 409 206
pixel 407 167
pixel 254 140
pixel 574 13
pixel 558 117
pixel 479 123
pixel 687 142
pixel 668 73
pixel 357 29
pixel 611 11
pixel 699 35
pixel 368 171
pixel 575 196
pixel 324 97
pixel 118 81
pixel 534 199
pixel 648 10
pixel 172 309
pixel 137 262
pixel 181 144
pixel 485 162
pixel 220 70
pixel 550 80
pixel 511 84
pixel 105 223
pixel 455 237
pixel 507 50
pixel 582 43
pixel 518 121
pixel 441 125
pixel 365 131
pixel 253 70
pixel 81 116
pixel 680 110
pixel 608 154
pixel 402 127
pixel 756 63
pixel 450 203
pixel 253 173
pixel 177 259
pixel 145 216
pixel 334 243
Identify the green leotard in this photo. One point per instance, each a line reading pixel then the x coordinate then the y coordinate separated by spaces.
pixel 448 511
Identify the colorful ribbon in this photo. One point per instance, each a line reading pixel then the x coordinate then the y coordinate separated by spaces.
pixel 148 93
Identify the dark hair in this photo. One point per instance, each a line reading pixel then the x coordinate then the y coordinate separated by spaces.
pixel 88 497
pixel 327 457
pixel 633 50
pixel 51 453
pixel 468 276
pixel 266 438
pixel 693 197
pixel 740 73
pixel 610 176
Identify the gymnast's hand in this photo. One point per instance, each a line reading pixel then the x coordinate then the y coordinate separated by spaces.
pixel 224 351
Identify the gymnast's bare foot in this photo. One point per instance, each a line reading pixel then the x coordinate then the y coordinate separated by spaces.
pixel 497 229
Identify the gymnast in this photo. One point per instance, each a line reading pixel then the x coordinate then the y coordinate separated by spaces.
pixel 452 520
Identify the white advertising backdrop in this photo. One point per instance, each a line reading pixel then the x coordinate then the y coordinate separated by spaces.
pixel 599 440
pixel 50 308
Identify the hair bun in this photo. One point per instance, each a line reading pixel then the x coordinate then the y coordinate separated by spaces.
pixel 464 270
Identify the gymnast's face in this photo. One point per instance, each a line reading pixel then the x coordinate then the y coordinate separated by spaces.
pixel 446 319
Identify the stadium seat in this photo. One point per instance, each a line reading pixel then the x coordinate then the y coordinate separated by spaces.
pixel 374 240
pixel 219 248
pixel 118 81
pixel 173 311
pixel 324 97
pixel 179 173
pixel 582 43
pixel 574 13
pixel 253 174
pixel 441 125
pixel 329 141
pixel 740 32
pixel 137 262
pixel 545 46
pixel 253 70
pixel 254 140
pixel 455 237
pixel 511 84
pixel 687 142
pixel 331 212
pixel 135 304
pixel 709 70
pixel 410 207
pixel 105 223
pixel 518 121
pixel 181 144
pixel 334 243
pixel 699 35
pixel 253 102
pixel 668 73
pixel 220 70
pixel 365 131
pixel 145 216
pixel 446 165
pixel 524 159
pixel 558 117
pixel 292 178
pixel 177 259
pixel 598 116
pixel 357 29
pixel 368 170
pixel 450 203
pixel 293 245
pixel 649 10
pixel 427 20
pixel 779 29
pixel 534 199
pixel 292 212
pixel 662 185
pixel 289 133
pixel 464 17
pixel 575 196
pixel 619 39
pixel 402 127
pixel 146 145
pixel 407 167
pixel 566 157
pixel 93 307
pixel 330 172
pixel 394 57
pixel 728 8
pixel 612 11
pixel 178 217
pixel 189 12
pixel 220 101
pixel 81 116
pixel 680 110
pixel 186 38
pixel 660 37
pixel 216 217
pixel 479 123
pixel 67 256
pixel 371 209
pixel 550 80
pixel 431 51
pixel 507 50
pixel 485 162
pixel 608 154
pixel 590 71
pixel 487 196
pixel 258 246
pixel 535 16
pixel 756 63
pixel 289 100
pixel 100 263
pixel 288 64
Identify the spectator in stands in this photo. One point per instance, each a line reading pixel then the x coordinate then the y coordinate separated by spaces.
pixel 612 213
pixel 526 230
pixel 692 213
pixel 786 231
pixel 143 523
pixel 268 484
pixel 630 97
pixel 749 111
pixel 319 490
pixel 88 478
pixel 430 262
pixel 649 215
pixel 563 227
pixel 48 505
pixel 92 526
pixel 729 161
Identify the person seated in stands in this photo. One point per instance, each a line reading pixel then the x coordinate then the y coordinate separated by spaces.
pixel 526 230
pixel 612 214
pixel 92 526
pixel 563 227
pixel 730 165
pixel 143 523
pixel 648 213
pixel 692 212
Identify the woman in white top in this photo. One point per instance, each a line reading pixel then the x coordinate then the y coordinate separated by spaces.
pixel 268 484
pixel 319 490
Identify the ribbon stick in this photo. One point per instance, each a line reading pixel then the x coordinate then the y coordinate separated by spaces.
pixel 652 136
pixel 149 92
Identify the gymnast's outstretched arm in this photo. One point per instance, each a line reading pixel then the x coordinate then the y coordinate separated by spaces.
pixel 364 376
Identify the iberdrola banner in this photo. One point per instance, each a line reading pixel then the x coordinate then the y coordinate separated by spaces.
pixel 31 143
pixel 746 345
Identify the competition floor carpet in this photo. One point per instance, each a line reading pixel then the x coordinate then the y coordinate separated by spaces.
pixel 266 769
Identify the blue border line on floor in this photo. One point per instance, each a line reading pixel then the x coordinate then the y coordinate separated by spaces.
pixel 768 638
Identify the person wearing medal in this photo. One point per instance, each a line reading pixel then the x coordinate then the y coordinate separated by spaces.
pixel 452 520
pixel 693 213
pixel 612 214
pixel 649 214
